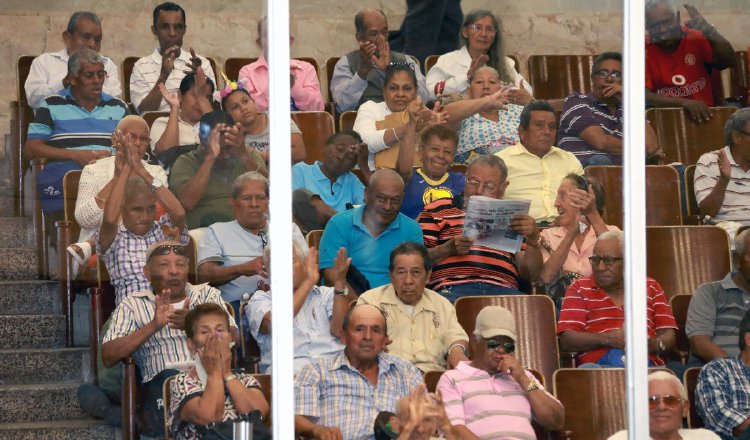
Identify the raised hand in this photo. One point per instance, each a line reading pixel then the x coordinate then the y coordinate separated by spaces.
pixel 171 98
pixel 214 142
pixel 176 317
pixel 476 63
pixel 366 55
pixel 168 56
pixel 195 62
pixel 725 167
pixel 382 57
pixel 497 100
pixel 234 136
pixel 162 309
pixel 697 21
pixel 340 266
pixel 519 95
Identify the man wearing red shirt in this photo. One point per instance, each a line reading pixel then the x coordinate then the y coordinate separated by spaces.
pixel 678 59
pixel 592 316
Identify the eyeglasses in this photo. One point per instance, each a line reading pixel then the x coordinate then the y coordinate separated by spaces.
pixel 508 347
pixel 478 28
pixel 668 400
pixel 608 261
pixel 604 74
pixel 486 186
pixel 165 249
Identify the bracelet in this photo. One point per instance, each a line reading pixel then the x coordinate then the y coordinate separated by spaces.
pixel 395 135
pixel 456 345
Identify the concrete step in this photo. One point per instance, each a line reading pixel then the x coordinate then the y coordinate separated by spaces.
pixel 45 366
pixel 32 331
pixel 6 201
pixel 18 264
pixel 40 403
pixel 90 429
pixel 29 297
pixel 16 232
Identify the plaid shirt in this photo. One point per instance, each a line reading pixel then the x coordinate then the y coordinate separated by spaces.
pixel 723 395
pixel 166 348
pixel 333 393
pixel 126 257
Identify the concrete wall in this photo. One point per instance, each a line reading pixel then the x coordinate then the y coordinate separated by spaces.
pixel 226 28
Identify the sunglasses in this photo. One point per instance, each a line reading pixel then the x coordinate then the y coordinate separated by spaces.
pixel 508 347
pixel 165 249
pixel 670 401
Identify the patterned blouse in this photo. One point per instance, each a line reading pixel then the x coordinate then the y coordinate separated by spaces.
pixel 185 387
pixel 479 135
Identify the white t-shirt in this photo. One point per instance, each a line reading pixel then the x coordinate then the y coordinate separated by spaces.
pixel 687 434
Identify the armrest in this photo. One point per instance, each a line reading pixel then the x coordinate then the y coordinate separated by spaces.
pixel 128 399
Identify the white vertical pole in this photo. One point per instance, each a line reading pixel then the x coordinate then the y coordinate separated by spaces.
pixel 634 189
pixel 281 219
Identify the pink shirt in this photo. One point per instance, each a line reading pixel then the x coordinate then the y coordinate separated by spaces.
pixel 492 407
pixel 305 91
pixel 578 259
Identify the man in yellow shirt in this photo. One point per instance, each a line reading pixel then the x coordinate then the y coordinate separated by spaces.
pixel 535 166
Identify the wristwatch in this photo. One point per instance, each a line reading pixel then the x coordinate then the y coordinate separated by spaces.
pixel 228 378
pixel 156 184
pixel 531 387
pixel 342 292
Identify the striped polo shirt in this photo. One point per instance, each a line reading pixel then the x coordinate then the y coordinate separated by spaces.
pixel 736 203
pixel 490 406
pixel 62 123
pixel 167 347
pixel 588 308
pixel 442 220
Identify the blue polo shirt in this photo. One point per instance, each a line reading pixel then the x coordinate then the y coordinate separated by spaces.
pixel 62 123
pixel 370 255
pixel 346 189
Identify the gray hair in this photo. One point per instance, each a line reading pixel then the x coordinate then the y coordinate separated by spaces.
pixel 663 376
pixel 136 186
pixel 83 56
pixel 490 160
pixel 82 15
pixel 250 176
pixel 739 242
pixel 136 119
pixel 383 173
pixel 736 122
pixel 613 235
pixel 650 4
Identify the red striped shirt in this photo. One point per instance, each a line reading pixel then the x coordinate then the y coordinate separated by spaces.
pixel 442 220
pixel 587 308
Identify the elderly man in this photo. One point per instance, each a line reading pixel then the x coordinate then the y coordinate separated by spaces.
pixel 721 176
pixel 370 232
pixel 168 64
pixel 325 188
pixel 591 124
pixel 535 166
pixel 200 178
pixel 49 71
pixel 592 316
pixel 723 390
pixel 717 308
pixel 358 75
pixel 422 325
pixel 305 88
pixel 678 59
pixel 502 382
pixel 668 404
pixel 73 128
pixel 462 267
pixel 148 325
pixel 338 397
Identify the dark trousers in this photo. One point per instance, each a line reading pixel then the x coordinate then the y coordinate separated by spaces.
pixel 153 404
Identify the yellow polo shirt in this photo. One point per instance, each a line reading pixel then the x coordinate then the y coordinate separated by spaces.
pixel 424 337
pixel 537 179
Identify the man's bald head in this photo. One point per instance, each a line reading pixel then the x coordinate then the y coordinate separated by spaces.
pixel 362 311
pixel 385 176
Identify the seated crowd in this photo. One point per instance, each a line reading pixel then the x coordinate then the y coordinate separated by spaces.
pixel 448 186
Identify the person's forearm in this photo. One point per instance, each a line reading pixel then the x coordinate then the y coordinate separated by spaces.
pixel 330 279
pixel 152 101
pixel 216 275
pixel 552 267
pixel 38 149
pixel 299 151
pixel 598 139
pixel 113 210
pixel 440 252
pixel 547 411
pixel 190 193
pixel 706 349
pixel 103 195
pixel 462 432
pixel 715 199
pixel 120 348
pixel 531 263
pixel 723 51
pixel 210 404
pixel 657 100
pixel 171 135
pixel 303 426
pixel 246 399
pixel 340 307
pixel 652 140
pixel 597 223
pixel 460 110
pixel 456 354
pixel 574 340
pixel 300 295
pixel 406 152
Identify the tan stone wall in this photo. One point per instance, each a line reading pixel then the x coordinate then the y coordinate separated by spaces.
pixel 226 28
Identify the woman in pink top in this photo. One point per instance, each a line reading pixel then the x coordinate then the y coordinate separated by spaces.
pixel 568 244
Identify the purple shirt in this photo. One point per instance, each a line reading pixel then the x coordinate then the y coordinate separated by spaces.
pixel 581 112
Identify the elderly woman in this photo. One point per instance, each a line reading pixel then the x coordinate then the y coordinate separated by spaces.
pixel 568 244
pixel 487 123
pixel 237 101
pixel 209 393
pixel 482 37
pixel 97 181
pixel 667 405
pixel 399 90
pixel 185 111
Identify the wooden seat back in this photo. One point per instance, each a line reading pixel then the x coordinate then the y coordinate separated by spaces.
pixel 680 305
pixel 690 379
pixel 536 328
pixel 557 76
pixel 316 127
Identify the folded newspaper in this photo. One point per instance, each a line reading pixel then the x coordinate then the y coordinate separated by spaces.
pixel 487 222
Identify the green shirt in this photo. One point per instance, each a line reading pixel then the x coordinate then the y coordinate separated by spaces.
pixel 214 204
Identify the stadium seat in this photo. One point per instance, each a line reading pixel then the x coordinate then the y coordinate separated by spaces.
pixel 557 76
pixel 690 379
pixel 316 128
pixel 680 304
